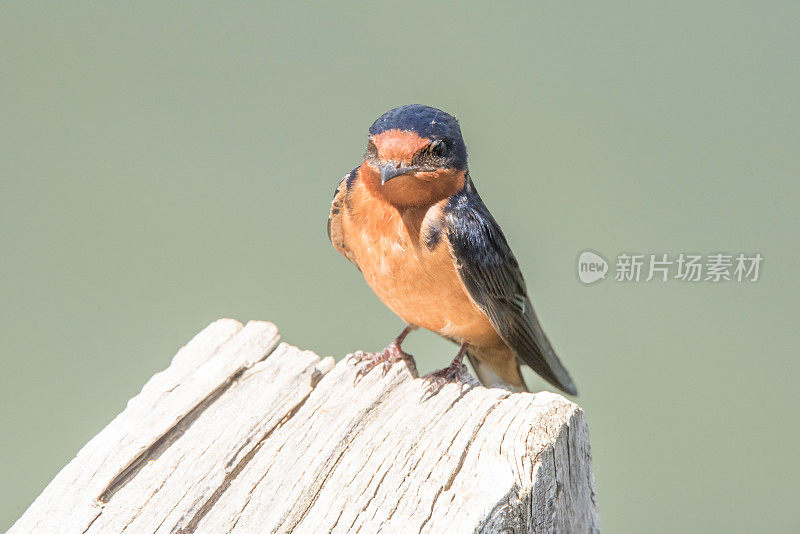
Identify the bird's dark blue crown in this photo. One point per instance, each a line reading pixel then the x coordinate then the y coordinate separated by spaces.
pixel 425 121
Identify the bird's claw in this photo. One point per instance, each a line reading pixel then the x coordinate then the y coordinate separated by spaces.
pixel 367 361
pixel 455 372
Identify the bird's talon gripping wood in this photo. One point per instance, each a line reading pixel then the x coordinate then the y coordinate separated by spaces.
pixel 367 361
pixel 410 219
pixel 390 355
pixel 455 372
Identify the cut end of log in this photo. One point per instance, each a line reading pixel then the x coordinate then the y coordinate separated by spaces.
pixel 242 434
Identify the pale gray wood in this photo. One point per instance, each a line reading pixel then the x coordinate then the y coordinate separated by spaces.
pixel 231 438
pixel 73 499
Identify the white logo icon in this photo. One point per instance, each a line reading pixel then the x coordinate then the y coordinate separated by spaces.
pixel 591 267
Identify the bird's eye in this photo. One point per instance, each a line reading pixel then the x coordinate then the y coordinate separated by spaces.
pixel 438 148
pixel 372 150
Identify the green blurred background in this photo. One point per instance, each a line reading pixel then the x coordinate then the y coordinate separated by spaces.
pixel 162 166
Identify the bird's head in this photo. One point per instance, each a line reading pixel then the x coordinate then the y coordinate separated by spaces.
pixel 415 155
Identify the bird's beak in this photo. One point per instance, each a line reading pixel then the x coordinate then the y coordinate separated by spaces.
pixel 392 169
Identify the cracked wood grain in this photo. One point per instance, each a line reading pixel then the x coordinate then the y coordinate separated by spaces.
pixel 241 434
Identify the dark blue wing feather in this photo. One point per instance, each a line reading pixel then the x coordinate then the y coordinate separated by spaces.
pixel 492 276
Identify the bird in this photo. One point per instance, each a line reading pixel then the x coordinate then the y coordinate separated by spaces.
pixel 410 219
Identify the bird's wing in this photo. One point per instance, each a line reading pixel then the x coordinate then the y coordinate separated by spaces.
pixel 335 231
pixel 491 275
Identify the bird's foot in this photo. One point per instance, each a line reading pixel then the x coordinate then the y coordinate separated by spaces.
pixel 455 372
pixel 367 361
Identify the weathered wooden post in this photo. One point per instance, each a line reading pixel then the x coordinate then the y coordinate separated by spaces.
pixel 242 434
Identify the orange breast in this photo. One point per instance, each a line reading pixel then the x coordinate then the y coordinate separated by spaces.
pixel 418 284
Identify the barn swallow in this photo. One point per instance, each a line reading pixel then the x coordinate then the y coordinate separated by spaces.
pixel 410 219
